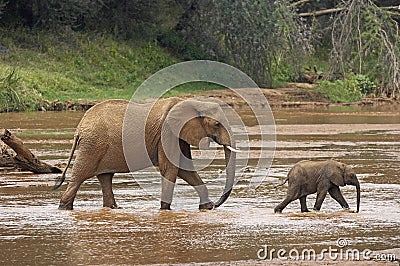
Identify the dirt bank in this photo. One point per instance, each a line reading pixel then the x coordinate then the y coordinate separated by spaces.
pixel 294 95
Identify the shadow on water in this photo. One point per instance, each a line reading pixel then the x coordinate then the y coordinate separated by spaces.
pixel 32 230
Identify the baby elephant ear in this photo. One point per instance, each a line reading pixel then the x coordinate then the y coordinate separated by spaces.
pixel 337 175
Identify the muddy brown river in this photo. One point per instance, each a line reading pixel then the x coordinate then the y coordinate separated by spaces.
pixel 34 231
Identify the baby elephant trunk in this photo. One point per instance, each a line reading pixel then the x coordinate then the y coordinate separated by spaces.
pixel 357 184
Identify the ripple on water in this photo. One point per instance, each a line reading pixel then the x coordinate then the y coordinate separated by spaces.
pixel 32 230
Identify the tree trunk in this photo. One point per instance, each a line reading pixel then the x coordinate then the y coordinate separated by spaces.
pixel 25 159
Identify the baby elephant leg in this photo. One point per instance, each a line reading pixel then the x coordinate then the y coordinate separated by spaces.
pixel 337 195
pixel 106 188
pixel 303 204
pixel 320 199
pixel 289 198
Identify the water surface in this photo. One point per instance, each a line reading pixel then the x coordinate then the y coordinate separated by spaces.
pixel 33 231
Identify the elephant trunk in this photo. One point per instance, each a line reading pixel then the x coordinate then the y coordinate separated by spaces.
pixel 230 160
pixel 357 184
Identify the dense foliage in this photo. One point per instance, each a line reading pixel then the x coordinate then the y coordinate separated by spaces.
pixel 262 38
pixel 272 41
pixel 366 40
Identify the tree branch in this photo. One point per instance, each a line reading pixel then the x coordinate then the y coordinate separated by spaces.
pixel 321 12
pixel 394 8
pixel 25 159
pixel 335 10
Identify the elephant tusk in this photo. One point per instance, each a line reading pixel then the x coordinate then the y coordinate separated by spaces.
pixel 233 149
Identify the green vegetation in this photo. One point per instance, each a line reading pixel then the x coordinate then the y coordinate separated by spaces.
pixel 352 89
pixel 15 95
pixel 69 67
pixel 262 38
pixel 70 50
pixel 75 66
pixel 366 41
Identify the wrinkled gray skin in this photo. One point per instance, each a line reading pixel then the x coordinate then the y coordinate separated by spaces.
pixel 307 177
pixel 101 150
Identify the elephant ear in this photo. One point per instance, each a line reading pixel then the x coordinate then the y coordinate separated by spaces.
pixel 336 173
pixel 182 122
pixel 185 111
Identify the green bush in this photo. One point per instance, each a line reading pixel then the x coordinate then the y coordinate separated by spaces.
pixel 352 89
pixel 365 84
pixel 15 96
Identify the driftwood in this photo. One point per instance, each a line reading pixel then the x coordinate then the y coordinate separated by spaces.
pixel 25 159
pixel 6 159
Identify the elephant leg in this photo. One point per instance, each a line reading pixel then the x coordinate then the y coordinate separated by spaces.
pixel 321 194
pixel 84 168
pixel 169 173
pixel 303 204
pixel 167 191
pixel 168 170
pixel 337 195
pixel 67 199
pixel 282 205
pixel 193 179
pixel 291 196
pixel 106 188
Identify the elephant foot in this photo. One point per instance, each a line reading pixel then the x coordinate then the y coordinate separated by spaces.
pixel 316 210
pixel 346 208
pixel 305 210
pixel 111 206
pixel 276 210
pixel 65 206
pixel 165 206
pixel 109 202
pixel 207 206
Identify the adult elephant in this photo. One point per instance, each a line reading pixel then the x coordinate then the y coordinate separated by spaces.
pixel 307 177
pixel 118 136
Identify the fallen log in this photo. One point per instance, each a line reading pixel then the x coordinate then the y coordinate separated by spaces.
pixel 24 158
pixel 6 159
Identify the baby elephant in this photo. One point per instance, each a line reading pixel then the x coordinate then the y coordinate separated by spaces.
pixel 307 177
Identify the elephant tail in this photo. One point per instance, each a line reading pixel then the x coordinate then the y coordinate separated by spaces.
pixel 60 179
pixel 282 182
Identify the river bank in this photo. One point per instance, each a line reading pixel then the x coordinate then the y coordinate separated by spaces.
pixel 291 96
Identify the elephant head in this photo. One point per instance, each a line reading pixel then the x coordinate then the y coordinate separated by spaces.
pixel 192 121
pixel 342 175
